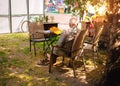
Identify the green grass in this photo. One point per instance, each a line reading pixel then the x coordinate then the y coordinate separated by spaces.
pixel 18 65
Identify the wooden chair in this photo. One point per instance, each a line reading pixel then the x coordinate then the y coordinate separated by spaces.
pixel 75 52
pixel 35 36
pixel 93 45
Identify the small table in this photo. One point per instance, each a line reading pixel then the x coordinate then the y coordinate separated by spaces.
pixel 52 39
pixel 48 34
pixel 48 25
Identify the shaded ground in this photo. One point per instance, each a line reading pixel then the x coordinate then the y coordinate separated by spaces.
pixel 18 66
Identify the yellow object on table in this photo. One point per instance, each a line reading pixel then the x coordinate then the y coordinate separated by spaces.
pixel 55 30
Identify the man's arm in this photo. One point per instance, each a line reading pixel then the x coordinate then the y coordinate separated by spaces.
pixel 62 39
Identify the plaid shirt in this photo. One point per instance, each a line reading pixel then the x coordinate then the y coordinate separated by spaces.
pixel 66 40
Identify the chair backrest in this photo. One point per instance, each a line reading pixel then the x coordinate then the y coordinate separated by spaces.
pixel 78 42
pixel 98 32
pixel 34 27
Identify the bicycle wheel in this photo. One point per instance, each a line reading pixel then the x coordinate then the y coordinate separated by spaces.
pixel 24 26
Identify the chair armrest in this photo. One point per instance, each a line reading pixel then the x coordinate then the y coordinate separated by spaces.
pixel 88 42
pixel 76 50
pixel 62 48
pixel 43 31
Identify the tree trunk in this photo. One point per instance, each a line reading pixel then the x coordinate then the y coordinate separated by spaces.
pixel 111 76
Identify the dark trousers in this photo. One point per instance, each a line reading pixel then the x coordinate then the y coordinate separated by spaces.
pixel 54 58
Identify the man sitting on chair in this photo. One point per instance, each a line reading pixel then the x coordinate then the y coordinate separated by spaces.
pixel 65 40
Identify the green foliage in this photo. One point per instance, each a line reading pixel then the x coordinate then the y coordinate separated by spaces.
pixel 2 54
pixel 3 58
pixel 26 50
pixel 3 81
pixel 80 6
pixel 16 62
pixel 53 83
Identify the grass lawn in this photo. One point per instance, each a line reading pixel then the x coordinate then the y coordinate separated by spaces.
pixel 18 66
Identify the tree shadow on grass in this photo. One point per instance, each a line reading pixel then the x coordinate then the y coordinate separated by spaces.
pixel 66 74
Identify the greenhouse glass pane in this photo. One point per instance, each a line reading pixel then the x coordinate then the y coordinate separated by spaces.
pixel 19 6
pixel 17 22
pixel 4 25
pixel 4 7
pixel 36 6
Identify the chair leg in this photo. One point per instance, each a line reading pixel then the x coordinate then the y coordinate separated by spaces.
pixel 51 62
pixel 83 59
pixel 34 48
pixel 44 45
pixel 30 46
pixel 97 53
pixel 94 59
pixel 63 60
pixel 74 73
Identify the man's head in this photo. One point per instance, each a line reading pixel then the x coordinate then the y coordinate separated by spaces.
pixel 73 22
